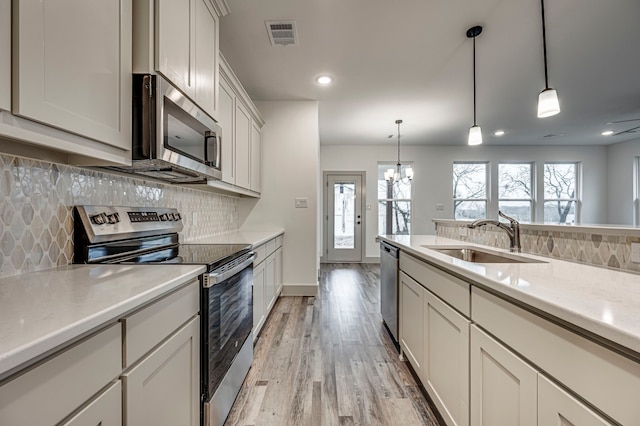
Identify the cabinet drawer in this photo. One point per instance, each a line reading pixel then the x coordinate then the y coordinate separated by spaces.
pixel 600 376
pixel 105 410
pixel 261 254
pixel 452 290
pixel 46 394
pixel 270 246
pixel 152 324
pixel 279 240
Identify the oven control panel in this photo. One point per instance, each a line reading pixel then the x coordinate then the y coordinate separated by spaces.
pixel 110 223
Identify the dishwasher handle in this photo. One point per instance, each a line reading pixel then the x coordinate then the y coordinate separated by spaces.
pixel 389 249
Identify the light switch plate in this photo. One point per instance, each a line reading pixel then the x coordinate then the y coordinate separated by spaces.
pixel 302 203
pixel 635 252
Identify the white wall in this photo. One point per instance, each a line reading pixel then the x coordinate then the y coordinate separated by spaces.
pixel 290 169
pixel 620 158
pixel 433 178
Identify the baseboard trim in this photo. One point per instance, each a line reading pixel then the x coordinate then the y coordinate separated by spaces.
pixel 299 290
pixel 365 260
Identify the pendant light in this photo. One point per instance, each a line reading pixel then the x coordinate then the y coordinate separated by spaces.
pixel 548 103
pixel 392 175
pixel 475 133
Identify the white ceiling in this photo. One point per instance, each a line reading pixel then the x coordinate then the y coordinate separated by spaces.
pixel 411 60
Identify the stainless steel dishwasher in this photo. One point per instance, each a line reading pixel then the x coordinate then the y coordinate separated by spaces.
pixel 389 288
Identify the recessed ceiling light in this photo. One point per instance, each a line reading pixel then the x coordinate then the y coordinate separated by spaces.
pixel 499 133
pixel 324 80
pixel 607 133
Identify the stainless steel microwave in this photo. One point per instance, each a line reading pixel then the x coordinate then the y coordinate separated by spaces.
pixel 173 139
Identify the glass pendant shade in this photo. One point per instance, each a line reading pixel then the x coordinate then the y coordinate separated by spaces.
pixel 475 135
pixel 548 103
pixel 409 172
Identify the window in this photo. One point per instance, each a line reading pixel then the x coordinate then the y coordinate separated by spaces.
pixel 560 192
pixel 394 203
pixel 470 190
pixel 515 195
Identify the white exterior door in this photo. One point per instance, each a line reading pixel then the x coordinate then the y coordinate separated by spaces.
pixel 344 220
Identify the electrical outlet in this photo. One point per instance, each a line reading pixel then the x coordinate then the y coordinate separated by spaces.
pixel 635 252
pixel 302 203
pixel 462 231
pixel 439 206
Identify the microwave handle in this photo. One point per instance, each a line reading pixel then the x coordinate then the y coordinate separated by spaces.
pixel 208 135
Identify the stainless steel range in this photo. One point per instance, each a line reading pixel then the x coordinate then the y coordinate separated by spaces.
pixel 139 235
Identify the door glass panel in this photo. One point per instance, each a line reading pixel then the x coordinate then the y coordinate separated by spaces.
pixel 344 197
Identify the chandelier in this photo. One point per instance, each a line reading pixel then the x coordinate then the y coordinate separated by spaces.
pixel 392 175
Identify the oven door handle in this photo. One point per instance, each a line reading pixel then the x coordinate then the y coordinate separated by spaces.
pixel 215 278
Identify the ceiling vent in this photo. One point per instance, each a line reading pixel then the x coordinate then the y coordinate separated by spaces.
pixel 282 32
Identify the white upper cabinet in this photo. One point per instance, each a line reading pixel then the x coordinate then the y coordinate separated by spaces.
pixel 5 54
pixel 256 157
pixel 242 130
pixel 241 134
pixel 226 110
pixel 206 57
pixel 72 67
pixel 182 45
pixel 174 37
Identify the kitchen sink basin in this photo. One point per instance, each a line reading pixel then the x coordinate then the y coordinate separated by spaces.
pixel 476 255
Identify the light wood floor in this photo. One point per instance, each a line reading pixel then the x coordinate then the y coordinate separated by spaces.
pixel 329 361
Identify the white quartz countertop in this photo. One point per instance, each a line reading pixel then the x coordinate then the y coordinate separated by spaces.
pixel 603 302
pixel 40 311
pixel 255 238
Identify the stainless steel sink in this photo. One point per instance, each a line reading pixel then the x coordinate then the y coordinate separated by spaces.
pixel 476 255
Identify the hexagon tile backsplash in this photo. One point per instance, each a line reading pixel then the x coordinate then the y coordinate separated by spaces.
pixel 36 218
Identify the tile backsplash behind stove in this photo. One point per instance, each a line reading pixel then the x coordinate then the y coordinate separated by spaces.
pixel 36 218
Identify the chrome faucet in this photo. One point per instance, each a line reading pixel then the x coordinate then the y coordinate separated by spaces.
pixel 512 230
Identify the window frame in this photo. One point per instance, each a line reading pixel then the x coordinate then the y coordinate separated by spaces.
pixel 532 184
pixel 486 199
pixel 636 191
pixel 409 201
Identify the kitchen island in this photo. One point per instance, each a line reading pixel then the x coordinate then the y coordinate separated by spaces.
pixel 560 328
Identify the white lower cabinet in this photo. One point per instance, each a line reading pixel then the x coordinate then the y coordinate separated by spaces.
pixel 164 388
pixel 258 299
pixel 411 321
pixel 503 386
pixel 557 407
pixel 104 410
pixel 53 390
pixel 267 281
pixel 446 359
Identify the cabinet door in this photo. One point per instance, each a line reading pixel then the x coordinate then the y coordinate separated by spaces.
pixel 503 386
pixel 174 46
pixel 411 321
pixel 72 67
pixel 243 148
pixel 164 388
pixel 258 299
pixel 256 158
pixel 226 111
pixel 5 55
pixel 446 360
pixel 206 57
pixel 557 407
pixel 278 268
pixel 269 283
pixel 105 410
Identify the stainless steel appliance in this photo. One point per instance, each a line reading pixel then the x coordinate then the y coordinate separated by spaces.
pixel 173 139
pixel 389 288
pixel 140 235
